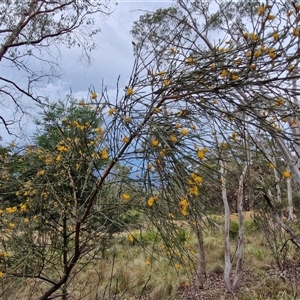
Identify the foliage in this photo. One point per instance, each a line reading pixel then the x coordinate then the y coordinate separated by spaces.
pixel 31 33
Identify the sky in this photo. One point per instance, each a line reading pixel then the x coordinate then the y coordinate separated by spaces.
pixel 112 58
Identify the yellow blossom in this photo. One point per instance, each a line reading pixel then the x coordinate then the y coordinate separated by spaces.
pixel 152 200
pixel 130 91
pixel 198 180
pixel 26 220
pixel 252 67
pixel 279 102
pixel 111 111
pixel 262 48
pixel 81 103
pixel 271 17
pixel 23 207
pixel 1 211
pixel 190 60
pixel 271 166
pixel 234 136
pixel 125 139
pixel 155 143
pixel 4 254
pixel 166 82
pixel 125 197
pixel 183 205
pixel 276 36
pixel 11 210
pixel 287 174
pixel 223 145
pixel 177 126
pixel 290 68
pixel 41 172
pixel 58 158
pixel 127 119
pixel 261 10
pixel 235 77
pixel 104 154
pixel 272 53
pixel 173 138
pixel 99 130
pixel 163 152
pixel 200 154
pixel 184 131
pixel 223 73
pixel 1 274
pixel 148 262
pixel 149 166
pixel 94 96
pixel 253 37
pixel 12 225
pixel 130 238
pixel 257 53
pixel 62 148
pixel 194 190
pixel 296 31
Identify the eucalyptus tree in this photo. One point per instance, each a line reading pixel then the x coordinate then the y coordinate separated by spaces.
pixel 234 63
pixel 31 34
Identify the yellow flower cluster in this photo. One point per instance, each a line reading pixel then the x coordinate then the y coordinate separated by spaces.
pixel 173 138
pixel 234 136
pixel 152 200
pixel 62 148
pixel 130 91
pixel 201 153
pixel 131 238
pixel 104 154
pixel 279 102
pixel 183 205
pixel 271 166
pixel 184 131
pixel 111 111
pixel 94 96
pixel 155 143
pixel 78 126
pixel 125 197
pixel 11 210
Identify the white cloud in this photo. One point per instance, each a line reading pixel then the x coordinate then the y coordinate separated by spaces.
pixel 112 58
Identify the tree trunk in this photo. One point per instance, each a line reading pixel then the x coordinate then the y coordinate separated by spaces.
pixel 291 215
pixel 240 247
pixel 228 265
pixel 201 269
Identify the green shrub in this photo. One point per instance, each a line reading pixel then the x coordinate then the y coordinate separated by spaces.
pixel 251 226
pixel 233 229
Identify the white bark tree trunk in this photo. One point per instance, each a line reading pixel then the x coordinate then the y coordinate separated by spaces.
pixel 291 215
pixel 240 247
pixel 228 264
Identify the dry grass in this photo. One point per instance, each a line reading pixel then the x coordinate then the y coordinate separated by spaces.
pixel 146 269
